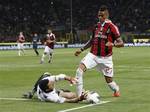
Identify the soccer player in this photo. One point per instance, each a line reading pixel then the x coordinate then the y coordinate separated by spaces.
pixel 49 46
pixel 105 36
pixel 45 89
pixel 35 43
pixel 20 43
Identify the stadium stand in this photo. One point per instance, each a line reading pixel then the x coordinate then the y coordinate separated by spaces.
pixel 36 16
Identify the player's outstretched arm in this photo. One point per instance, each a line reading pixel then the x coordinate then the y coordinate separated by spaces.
pixel 59 77
pixel 86 46
pixel 72 80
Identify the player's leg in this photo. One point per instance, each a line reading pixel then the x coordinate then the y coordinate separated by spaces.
pixel 113 85
pixel 19 52
pixel 107 69
pixel 87 62
pixel 23 52
pixel 19 49
pixel 50 55
pixel 35 49
pixel 37 53
pixel 22 48
pixel 54 97
pixel 72 97
pixel 67 94
pixel 46 52
pixel 79 75
pixel 49 58
pixel 43 57
pixel 69 97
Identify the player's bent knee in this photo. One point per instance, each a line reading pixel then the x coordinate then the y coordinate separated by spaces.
pixel 83 67
pixel 108 79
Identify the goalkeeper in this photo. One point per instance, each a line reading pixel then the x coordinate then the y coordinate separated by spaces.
pixel 45 89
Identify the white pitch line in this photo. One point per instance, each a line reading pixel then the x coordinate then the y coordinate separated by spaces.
pixel 13 99
pixel 68 110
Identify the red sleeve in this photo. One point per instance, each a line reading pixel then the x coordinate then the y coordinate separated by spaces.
pixel 115 31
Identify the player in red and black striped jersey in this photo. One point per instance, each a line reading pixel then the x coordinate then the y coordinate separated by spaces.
pixel 105 33
pixel 20 43
pixel 105 36
pixel 49 46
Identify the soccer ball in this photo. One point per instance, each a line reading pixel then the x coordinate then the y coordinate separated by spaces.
pixel 93 97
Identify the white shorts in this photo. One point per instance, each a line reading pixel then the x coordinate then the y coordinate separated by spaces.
pixel 103 64
pixel 48 50
pixel 51 96
pixel 20 46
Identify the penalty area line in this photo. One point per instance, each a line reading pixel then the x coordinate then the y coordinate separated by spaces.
pixel 85 106
pixel 14 99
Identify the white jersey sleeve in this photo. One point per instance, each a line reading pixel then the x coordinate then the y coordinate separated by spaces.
pixel 60 77
pixel 56 78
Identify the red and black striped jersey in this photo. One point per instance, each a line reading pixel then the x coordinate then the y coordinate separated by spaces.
pixel 50 37
pixel 103 33
pixel 21 39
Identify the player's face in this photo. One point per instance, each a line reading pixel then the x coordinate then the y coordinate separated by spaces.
pixel 35 34
pixel 102 15
pixel 50 85
pixel 49 31
pixel 21 33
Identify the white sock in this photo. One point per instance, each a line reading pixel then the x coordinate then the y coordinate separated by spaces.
pixel 43 56
pixel 79 76
pixel 114 87
pixel 19 53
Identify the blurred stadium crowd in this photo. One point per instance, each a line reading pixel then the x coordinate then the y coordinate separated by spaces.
pixel 37 15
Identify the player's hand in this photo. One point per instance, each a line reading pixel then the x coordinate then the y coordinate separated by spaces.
pixel 50 41
pixel 83 95
pixel 44 43
pixel 73 80
pixel 109 44
pixel 77 52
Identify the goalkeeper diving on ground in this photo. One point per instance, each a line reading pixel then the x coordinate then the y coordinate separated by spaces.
pixel 46 91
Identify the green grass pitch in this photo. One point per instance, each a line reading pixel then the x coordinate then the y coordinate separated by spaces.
pixel 132 73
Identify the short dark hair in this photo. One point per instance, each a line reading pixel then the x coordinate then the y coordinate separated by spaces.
pixel 103 8
pixel 43 84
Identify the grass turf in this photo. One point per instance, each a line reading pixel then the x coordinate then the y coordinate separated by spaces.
pixel 132 73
